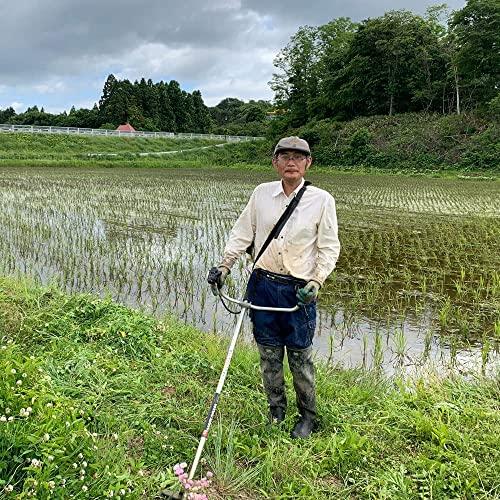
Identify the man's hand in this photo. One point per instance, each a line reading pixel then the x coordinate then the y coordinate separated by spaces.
pixel 308 294
pixel 216 278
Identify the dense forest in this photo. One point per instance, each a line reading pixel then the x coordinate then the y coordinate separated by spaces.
pixel 444 63
pixel 397 63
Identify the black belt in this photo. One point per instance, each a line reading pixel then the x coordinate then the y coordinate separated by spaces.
pixel 286 279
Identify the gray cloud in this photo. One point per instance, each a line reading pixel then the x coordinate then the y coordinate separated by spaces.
pixel 45 42
pixel 299 12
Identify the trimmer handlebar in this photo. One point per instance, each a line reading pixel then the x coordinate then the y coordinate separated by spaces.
pixel 248 305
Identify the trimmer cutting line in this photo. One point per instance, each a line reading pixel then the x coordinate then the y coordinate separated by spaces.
pixel 245 306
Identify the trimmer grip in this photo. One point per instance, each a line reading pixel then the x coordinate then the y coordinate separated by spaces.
pixel 214 276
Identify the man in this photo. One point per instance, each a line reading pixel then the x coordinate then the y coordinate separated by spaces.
pixel 292 269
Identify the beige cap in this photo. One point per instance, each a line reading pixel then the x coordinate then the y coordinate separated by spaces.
pixel 293 143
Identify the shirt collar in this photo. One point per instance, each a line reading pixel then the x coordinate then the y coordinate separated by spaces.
pixel 279 189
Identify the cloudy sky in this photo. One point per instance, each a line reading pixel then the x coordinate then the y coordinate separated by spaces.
pixel 58 53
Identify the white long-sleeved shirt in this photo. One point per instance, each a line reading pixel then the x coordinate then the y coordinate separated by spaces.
pixel 308 246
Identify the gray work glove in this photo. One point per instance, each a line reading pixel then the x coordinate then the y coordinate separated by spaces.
pixel 216 277
pixel 309 293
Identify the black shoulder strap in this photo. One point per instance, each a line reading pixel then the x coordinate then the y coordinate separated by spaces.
pixel 276 230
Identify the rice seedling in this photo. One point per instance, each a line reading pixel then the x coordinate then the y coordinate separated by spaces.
pixel 412 248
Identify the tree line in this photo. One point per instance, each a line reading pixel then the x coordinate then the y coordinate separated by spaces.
pixel 153 106
pixel 396 63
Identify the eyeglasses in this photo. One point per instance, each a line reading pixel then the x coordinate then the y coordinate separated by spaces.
pixel 294 157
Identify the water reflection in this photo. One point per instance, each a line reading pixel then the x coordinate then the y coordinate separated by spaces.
pixel 147 239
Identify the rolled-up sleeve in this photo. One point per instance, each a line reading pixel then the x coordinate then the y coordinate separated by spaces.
pixel 241 235
pixel 328 244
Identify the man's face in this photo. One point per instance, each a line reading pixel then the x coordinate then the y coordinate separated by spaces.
pixel 291 165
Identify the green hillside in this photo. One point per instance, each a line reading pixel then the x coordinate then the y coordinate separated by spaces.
pixel 54 146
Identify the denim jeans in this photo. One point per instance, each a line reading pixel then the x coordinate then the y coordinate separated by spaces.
pixel 294 330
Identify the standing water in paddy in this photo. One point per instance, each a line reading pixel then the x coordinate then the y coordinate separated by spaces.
pixel 417 280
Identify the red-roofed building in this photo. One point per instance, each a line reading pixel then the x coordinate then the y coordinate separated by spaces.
pixel 126 128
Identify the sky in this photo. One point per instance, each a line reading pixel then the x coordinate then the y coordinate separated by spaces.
pixel 58 53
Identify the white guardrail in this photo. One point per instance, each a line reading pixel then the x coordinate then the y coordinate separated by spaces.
pixel 46 129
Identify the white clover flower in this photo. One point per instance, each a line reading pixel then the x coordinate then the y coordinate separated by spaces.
pixel 13 371
pixel 24 375
pixel 84 464
pixel 9 488
pixel 49 405
pixel 51 484
pixel 122 492
pixel 36 463
pixel 10 419
pixel 50 458
pixel 46 437
pixel 7 410
pixel 80 455
pixel 3 418
pixel 115 436
pixel 29 409
pixel 75 466
pixel 84 488
pixel 19 382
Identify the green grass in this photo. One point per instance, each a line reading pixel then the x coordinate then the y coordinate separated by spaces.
pixel 122 397
pixel 41 147
pixel 49 150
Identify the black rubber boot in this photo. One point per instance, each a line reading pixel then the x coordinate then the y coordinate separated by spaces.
pixel 304 427
pixel 302 368
pixel 276 414
pixel 271 366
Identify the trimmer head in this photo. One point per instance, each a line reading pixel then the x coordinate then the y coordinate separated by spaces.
pixel 169 495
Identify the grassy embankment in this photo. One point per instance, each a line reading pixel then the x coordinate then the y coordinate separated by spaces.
pixel 25 149
pixel 408 143
pixel 97 398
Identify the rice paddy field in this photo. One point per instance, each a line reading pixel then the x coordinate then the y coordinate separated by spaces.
pixel 417 285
